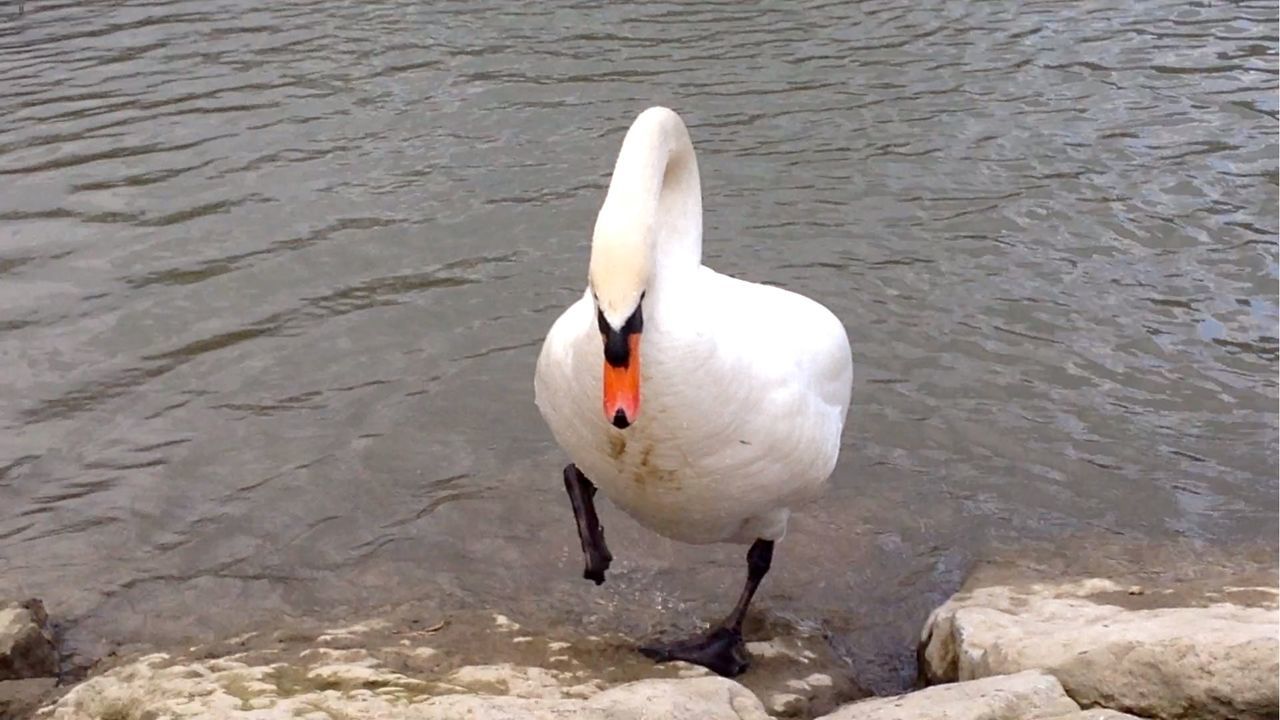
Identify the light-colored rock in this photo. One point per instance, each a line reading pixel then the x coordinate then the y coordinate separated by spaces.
pixel 26 645
pixel 499 707
pixel 798 676
pixel 705 698
pixel 1025 696
pixel 505 623
pixel 161 686
pixel 1158 654
pixel 689 670
pixel 359 675
pixel 785 704
pixel 508 679
pixel 1094 714
pixel 350 632
pixel 415 663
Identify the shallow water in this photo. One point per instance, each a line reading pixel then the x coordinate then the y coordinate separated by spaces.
pixel 274 275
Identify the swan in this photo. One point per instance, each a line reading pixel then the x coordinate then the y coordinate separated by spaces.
pixel 703 406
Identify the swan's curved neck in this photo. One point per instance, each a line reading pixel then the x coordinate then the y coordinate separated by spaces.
pixel 656 193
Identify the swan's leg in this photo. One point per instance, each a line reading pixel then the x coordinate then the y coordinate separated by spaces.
pixel 722 650
pixel 759 559
pixel 581 495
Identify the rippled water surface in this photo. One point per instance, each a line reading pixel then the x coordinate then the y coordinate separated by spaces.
pixel 273 278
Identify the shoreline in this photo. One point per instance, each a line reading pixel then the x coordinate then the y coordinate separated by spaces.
pixel 414 658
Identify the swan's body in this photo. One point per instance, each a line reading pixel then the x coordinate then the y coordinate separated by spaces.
pixel 745 387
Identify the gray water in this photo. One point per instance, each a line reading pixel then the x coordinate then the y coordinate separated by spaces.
pixel 273 277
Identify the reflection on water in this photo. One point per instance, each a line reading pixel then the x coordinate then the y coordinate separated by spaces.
pixel 273 277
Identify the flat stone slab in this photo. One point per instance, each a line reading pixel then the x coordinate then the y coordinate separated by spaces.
pixel 1027 695
pixel 379 670
pixel 1175 652
pixel 354 685
pixel 1095 714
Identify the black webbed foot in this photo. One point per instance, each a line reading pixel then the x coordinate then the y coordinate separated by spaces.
pixel 722 651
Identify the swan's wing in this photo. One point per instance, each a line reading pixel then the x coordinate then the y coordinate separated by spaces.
pixel 827 359
pixel 811 366
pixel 765 375
pixel 563 375
pixel 791 340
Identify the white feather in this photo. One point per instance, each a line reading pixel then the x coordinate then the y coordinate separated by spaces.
pixel 744 387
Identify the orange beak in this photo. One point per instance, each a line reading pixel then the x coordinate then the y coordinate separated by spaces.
pixel 622 387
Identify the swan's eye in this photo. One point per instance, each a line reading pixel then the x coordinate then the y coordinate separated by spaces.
pixel 635 323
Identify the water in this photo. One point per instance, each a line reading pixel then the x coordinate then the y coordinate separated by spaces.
pixel 274 275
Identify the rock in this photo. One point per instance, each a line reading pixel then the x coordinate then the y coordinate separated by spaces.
pixel 796 673
pixel 1025 696
pixel 355 683
pixel 344 635
pixel 26 645
pixel 490 707
pixel 18 698
pixel 705 698
pixel 1094 714
pixel 785 704
pixel 1160 653
pixel 508 679
pixel 464 663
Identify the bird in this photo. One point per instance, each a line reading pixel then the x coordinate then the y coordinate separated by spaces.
pixel 704 406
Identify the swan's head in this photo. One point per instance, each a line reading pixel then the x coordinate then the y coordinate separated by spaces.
pixel 620 272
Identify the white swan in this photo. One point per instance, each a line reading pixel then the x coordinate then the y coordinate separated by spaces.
pixel 702 405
